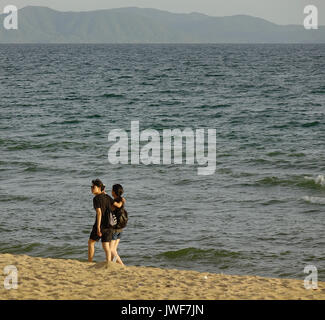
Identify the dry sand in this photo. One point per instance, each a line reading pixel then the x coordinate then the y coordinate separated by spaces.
pixel 45 278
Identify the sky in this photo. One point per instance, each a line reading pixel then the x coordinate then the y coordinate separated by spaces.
pixel 277 11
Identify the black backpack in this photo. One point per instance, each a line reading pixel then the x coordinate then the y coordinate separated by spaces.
pixel 122 218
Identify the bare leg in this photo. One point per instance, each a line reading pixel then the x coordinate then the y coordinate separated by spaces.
pixel 118 260
pixel 113 246
pixel 107 249
pixel 91 249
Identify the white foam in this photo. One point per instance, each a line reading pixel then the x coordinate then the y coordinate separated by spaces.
pixel 320 179
pixel 316 200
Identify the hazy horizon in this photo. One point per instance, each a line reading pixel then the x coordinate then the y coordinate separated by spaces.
pixel 283 12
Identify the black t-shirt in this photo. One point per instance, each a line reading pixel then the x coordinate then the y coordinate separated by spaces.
pixel 118 212
pixel 104 202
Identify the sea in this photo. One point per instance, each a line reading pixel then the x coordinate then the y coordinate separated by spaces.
pixel 262 212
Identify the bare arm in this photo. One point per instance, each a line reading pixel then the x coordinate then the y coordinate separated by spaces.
pixel 119 204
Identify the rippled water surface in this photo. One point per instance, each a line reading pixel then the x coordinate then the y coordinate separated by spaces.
pixel 261 213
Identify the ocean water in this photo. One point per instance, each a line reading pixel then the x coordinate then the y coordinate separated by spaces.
pixel 261 213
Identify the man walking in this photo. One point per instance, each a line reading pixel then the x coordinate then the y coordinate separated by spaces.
pixel 101 229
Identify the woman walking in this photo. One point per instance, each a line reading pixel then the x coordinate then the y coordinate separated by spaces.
pixel 121 217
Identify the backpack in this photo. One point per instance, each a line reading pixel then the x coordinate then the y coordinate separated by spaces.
pixel 122 218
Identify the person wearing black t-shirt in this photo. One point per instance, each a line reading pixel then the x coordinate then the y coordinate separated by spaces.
pixel 101 228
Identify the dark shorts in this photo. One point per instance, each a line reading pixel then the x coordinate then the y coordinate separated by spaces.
pixel 106 234
pixel 117 235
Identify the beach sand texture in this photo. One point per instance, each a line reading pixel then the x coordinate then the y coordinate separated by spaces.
pixel 46 278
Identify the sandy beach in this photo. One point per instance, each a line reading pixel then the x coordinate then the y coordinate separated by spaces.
pixel 46 278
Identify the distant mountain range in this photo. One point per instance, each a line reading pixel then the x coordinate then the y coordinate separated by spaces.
pixel 142 25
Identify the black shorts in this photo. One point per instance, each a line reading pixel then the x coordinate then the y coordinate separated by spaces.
pixel 107 234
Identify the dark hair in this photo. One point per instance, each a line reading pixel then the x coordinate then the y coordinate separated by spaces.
pixel 118 190
pixel 98 183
